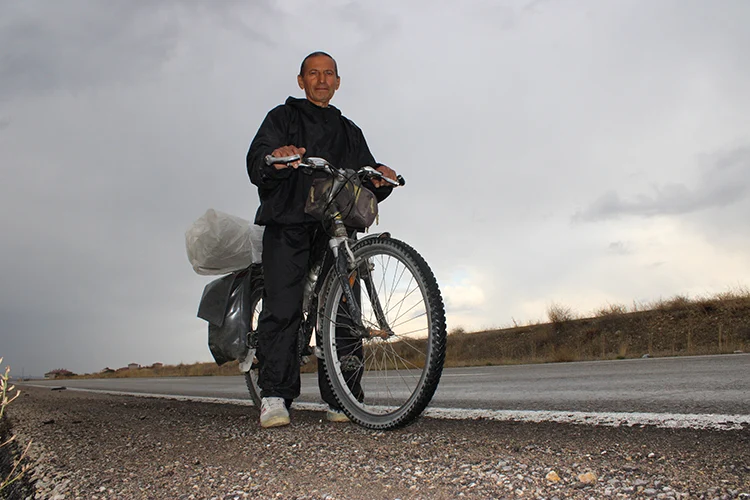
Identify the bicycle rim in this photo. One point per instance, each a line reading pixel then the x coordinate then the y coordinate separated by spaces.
pixel 387 380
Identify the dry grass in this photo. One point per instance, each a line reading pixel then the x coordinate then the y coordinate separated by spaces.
pixel 13 464
pixel 181 370
pixel 682 302
pixel 559 314
pixel 611 310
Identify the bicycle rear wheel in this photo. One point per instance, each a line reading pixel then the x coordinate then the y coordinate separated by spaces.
pixel 386 380
pixel 252 375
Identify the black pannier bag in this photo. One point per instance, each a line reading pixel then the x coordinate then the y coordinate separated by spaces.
pixel 226 304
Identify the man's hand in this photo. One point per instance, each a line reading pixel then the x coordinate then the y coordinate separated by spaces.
pixel 387 172
pixel 287 151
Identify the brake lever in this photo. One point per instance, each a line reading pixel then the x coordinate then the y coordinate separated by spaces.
pixel 400 181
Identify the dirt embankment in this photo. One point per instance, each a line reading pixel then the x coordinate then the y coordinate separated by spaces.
pixel 680 327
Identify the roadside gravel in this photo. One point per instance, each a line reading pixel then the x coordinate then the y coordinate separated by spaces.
pixel 95 446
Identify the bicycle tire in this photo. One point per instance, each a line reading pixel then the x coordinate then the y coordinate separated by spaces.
pixel 365 403
pixel 251 381
pixel 251 376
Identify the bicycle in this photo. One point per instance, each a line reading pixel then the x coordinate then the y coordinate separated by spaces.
pixel 377 314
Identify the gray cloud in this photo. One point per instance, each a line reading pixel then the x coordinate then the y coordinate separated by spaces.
pixel 82 44
pixel 724 182
pixel 369 21
pixel 242 17
pixel 78 44
pixel 618 248
pixel 535 4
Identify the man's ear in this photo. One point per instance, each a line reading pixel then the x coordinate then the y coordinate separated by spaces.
pixel 338 82
pixel 300 82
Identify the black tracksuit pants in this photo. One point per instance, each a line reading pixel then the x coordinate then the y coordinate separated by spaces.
pixel 286 261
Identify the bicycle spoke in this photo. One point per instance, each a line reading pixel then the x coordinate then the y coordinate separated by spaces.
pixel 413 318
pixel 406 334
pixel 399 373
pixel 409 345
pixel 407 311
pixel 406 295
pixel 396 284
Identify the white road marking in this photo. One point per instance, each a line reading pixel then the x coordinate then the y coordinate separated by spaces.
pixel 609 419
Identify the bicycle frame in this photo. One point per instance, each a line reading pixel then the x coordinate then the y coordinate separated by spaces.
pixel 343 261
pixel 312 295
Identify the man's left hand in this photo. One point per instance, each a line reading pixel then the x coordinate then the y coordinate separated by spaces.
pixel 387 172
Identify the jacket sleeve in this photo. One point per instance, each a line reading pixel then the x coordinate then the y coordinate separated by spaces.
pixel 365 158
pixel 271 135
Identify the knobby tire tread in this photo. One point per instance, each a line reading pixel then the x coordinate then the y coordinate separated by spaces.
pixel 438 337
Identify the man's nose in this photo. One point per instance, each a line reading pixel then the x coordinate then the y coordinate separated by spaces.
pixel 321 77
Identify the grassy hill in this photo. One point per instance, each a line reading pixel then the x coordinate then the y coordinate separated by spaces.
pixel 674 327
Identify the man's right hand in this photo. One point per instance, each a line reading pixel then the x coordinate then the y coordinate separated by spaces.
pixel 288 151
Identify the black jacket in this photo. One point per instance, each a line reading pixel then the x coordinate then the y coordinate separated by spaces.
pixel 323 132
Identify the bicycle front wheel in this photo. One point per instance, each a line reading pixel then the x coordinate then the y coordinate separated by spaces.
pixel 386 379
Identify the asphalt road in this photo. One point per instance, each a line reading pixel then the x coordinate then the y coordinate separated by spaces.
pixel 680 385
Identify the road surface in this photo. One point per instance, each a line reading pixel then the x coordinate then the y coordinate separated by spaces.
pixel 680 385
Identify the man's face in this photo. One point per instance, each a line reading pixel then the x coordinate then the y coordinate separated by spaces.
pixel 319 80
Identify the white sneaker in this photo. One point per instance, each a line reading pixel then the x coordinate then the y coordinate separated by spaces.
pixel 334 415
pixel 273 413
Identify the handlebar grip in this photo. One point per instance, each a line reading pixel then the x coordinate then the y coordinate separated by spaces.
pixel 401 180
pixel 272 160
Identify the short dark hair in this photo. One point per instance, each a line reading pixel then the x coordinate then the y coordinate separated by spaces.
pixel 316 54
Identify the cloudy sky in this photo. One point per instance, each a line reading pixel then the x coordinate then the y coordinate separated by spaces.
pixel 576 152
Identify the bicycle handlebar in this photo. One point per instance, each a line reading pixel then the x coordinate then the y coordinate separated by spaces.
pixel 314 163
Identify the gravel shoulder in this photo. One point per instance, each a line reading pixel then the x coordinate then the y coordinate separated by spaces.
pixel 96 446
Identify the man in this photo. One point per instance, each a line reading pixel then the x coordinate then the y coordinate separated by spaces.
pixel 311 127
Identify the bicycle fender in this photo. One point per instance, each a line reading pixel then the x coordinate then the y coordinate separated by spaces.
pixel 383 235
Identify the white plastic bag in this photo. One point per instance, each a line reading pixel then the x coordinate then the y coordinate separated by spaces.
pixel 219 243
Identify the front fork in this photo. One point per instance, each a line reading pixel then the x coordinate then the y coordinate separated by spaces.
pixel 344 264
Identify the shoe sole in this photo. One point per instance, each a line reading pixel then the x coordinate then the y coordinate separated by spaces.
pixel 337 418
pixel 275 422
